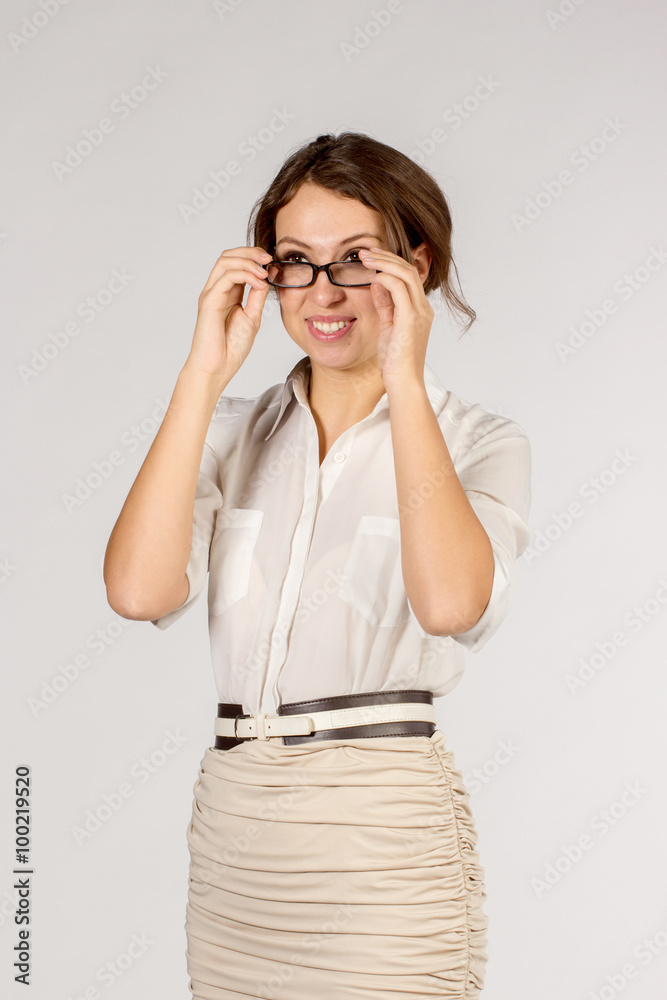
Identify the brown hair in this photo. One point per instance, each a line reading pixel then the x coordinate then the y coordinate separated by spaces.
pixel 407 197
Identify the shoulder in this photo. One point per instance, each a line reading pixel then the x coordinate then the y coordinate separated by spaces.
pixel 492 458
pixel 234 415
pixel 467 425
pixel 231 407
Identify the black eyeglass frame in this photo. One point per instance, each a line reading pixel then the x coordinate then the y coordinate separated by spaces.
pixel 316 270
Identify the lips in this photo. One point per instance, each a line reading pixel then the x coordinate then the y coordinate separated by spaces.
pixel 330 318
pixel 335 334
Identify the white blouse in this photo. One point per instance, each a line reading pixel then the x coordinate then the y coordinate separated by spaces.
pixel 305 591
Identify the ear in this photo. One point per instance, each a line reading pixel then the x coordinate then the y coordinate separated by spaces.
pixel 421 258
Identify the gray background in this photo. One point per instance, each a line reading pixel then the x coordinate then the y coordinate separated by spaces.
pixel 592 587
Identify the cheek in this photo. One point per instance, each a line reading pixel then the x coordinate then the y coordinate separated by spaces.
pixel 290 300
pixel 283 300
pixel 368 313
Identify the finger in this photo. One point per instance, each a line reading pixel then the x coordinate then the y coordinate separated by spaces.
pixel 240 277
pixel 237 276
pixel 391 264
pixel 381 296
pixel 255 303
pixel 226 261
pixel 240 257
pixel 253 253
pixel 384 255
pixel 390 261
pixel 402 293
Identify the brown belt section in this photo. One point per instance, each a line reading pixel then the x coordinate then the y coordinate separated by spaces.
pixel 404 727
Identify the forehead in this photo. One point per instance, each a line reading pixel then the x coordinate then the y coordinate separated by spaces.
pixel 322 218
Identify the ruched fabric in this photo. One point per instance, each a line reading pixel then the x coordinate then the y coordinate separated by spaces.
pixel 340 870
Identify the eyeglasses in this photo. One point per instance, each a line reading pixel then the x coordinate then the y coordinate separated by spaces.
pixel 302 274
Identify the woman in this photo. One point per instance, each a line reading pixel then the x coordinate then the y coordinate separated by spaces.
pixel 358 524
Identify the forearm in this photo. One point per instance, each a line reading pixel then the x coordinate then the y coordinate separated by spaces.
pixel 446 554
pixel 149 547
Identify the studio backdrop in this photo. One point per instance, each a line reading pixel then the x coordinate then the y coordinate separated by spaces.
pixel 138 135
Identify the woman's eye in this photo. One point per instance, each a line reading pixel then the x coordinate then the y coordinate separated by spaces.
pixel 294 254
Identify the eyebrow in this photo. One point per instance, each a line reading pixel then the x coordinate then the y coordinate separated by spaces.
pixel 350 239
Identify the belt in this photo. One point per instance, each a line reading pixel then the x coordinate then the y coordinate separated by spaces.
pixel 375 713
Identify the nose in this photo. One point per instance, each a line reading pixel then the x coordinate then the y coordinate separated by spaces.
pixel 324 291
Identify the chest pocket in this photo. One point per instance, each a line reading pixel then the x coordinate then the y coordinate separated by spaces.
pixel 372 579
pixel 230 561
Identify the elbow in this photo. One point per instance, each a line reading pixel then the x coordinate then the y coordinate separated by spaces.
pixel 128 608
pixel 453 624
pixel 142 609
pixel 456 613
pixel 465 622
pixel 144 601
pixel 457 619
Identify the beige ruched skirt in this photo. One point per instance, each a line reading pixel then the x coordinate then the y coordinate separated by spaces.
pixel 335 870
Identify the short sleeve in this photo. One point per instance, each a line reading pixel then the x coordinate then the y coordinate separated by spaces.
pixel 208 500
pixel 495 472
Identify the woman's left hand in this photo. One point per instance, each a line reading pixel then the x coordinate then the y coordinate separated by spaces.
pixel 405 314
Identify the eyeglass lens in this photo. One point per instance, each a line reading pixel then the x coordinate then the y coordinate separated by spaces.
pixel 294 273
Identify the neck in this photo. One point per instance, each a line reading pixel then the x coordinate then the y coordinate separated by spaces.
pixel 339 397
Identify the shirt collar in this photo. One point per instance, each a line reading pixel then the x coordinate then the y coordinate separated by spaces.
pixel 296 385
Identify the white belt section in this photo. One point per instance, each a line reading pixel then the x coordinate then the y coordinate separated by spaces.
pixel 264 727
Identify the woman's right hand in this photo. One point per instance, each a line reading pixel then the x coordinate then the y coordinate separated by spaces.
pixel 225 331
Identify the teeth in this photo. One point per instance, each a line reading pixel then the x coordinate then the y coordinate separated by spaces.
pixel 329 327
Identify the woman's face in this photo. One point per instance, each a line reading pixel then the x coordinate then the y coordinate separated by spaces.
pixel 322 226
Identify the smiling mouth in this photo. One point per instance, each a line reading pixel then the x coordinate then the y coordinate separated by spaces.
pixel 330 327
pixel 330 331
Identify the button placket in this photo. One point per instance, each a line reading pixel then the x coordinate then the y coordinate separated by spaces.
pixel 294 579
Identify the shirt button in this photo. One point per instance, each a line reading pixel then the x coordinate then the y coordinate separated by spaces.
pixel 339 457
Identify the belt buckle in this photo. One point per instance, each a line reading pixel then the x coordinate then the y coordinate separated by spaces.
pixel 242 716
